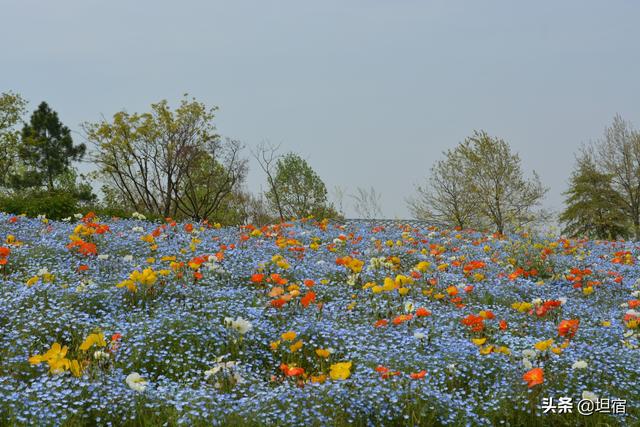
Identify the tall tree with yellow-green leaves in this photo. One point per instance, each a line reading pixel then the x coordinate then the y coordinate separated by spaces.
pixel 167 162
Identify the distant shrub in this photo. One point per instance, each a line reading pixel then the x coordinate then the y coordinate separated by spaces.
pixel 55 205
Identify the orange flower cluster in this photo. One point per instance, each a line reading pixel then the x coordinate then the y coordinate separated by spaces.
pixel 386 373
pixel 4 255
pixel 473 265
pixel 522 272
pixel 543 309
pixel 568 328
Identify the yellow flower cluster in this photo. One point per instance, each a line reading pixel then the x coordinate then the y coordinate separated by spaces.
pixel 56 356
pixel 522 307
pixel 280 261
pixel 146 277
pixel 400 283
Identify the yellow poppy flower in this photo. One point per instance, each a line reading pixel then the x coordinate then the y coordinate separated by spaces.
pixel 543 345
pixel 340 371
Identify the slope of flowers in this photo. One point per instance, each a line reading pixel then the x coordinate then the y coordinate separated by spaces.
pixel 112 322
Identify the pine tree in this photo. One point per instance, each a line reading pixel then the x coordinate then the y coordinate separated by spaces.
pixel 47 150
pixel 594 209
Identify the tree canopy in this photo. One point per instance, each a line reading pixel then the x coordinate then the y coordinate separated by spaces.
pixel 593 208
pixel 297 190
pixel 167 162
pixel 46 150
pixel 479 183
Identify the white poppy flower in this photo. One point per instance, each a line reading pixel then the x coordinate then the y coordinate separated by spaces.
pixel 241 325
pixel 136 382
pixel 580 364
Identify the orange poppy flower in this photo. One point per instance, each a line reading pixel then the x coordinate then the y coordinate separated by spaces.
pixel 534 377
pixel 278 303
pixel 380 323
pixel 308 299
pixel 418 375
pixel 402 318
pixel 257 278
pixel 568 328
pixel 382 369
pixel 422 312
pixel 291 372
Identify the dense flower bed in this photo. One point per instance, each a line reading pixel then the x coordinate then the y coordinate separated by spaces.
pixel 307 323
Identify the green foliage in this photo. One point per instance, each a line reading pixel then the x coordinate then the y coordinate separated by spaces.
pixel 298 189
pixel 46 149
pixel 593 208
pixel 55 205
pixel 12 108
pixel 167 162
pixel 479 184
pixel 495 181
pixel 618 156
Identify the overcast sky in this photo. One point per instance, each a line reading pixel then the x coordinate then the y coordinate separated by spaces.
pixel 369 92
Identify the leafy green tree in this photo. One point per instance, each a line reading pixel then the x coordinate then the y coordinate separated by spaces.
pixel 47 150
pixel 618 155
pixel 593 208
pixel 494 181
pixel 12 108
pixel 167 162
pixel 297 190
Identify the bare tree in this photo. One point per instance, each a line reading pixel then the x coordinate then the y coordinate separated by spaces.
pixel 445 198
pixel 339 193
pixel 618 155
pixel 210 176
pixel 267 156
pixel 367 203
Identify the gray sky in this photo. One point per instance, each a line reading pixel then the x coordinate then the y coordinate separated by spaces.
pixel 369 92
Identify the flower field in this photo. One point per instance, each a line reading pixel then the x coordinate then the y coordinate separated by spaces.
pixel 132 322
